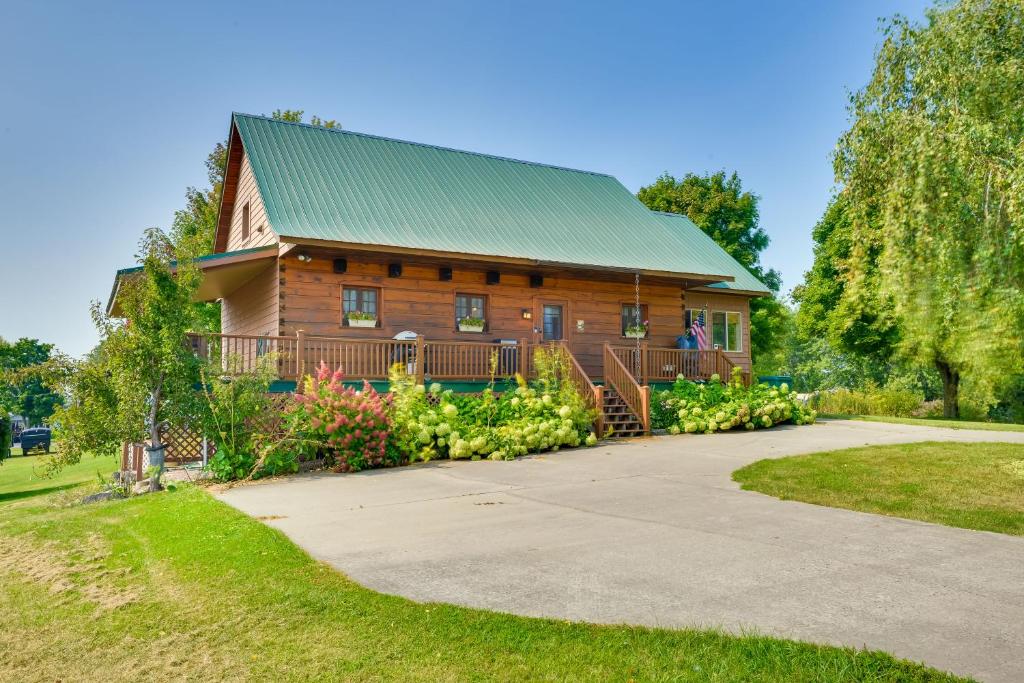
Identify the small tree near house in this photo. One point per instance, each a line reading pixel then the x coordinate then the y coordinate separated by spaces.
pixel 152 371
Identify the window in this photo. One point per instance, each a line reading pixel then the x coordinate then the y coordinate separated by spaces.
pixel 726 330
pixel 629 318
pixel 694 336
pixel 552 322
pixel 470 306
pixel 358 299
pixel 245 222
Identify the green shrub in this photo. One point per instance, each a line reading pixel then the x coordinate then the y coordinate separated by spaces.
pixel 691 407
pixel 351 427
pixel 431 423
pixel 237 411
pixel 884 401
pixel 6 435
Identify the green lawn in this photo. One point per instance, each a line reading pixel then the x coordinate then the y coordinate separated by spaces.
pixel 974 486
pixel 178 586
pixel 21 476
pixel 934 422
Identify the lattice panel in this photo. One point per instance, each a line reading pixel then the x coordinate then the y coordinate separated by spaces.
pixel 183 445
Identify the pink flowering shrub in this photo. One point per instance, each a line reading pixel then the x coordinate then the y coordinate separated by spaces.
pixel 348 425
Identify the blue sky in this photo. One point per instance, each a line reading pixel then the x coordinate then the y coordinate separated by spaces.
pixel 109 109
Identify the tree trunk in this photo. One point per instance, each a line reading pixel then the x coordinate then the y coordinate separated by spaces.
pixel 950 390
pixel 154 408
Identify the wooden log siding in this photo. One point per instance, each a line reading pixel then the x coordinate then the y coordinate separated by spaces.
pixel 254 308
pixel 310 299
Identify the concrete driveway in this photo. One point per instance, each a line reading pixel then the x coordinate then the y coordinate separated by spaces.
pixel 655 532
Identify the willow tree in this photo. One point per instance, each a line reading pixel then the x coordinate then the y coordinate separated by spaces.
pixel 933 166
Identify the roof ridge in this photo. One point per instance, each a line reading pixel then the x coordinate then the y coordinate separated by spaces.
pixel 422 144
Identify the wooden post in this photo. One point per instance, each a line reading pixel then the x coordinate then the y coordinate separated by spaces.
pixel 645 403
pixel 300 359
pixel 645 357
pixel 599 402
pixel 421 360
pixel 524 358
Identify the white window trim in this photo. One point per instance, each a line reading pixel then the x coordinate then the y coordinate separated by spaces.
pixel 739 315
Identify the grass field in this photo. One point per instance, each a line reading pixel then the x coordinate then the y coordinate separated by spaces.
pixel 21 476
pixel 934 422
pixel 974 486
pixel 178 586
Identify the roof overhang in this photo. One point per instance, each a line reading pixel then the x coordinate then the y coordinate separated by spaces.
pixel 222 274
pixel 732 290
pixel 691 279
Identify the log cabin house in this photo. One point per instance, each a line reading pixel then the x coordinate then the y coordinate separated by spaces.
pixel 362 251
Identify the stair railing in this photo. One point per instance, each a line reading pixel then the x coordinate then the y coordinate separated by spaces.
pixel 637 397
pixel 592 394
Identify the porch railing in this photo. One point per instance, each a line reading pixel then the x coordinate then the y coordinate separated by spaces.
pixel 659 364
pixel 621 379
pixel 366 358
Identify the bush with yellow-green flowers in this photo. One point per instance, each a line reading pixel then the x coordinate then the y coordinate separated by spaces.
pixel 433 423
pixel 692 407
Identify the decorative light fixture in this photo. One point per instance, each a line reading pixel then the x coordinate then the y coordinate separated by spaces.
pixel 527 314
pixel 304 257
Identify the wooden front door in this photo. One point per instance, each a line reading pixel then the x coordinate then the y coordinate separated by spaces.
pixel 551 320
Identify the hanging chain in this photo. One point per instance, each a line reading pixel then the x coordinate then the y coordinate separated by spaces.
pixel 639 323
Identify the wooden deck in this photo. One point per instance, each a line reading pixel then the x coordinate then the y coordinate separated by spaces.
pixel 628 371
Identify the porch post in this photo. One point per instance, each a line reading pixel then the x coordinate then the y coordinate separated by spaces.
pixel 644 356
pixel 599 403
pixel 524 358
pixel 645 407
pixel 300 358
pixel 421 360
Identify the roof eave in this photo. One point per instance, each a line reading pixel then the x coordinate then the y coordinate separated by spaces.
pixel 205 263
pixel 707 278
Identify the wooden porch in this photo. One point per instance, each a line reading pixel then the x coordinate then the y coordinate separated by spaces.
pixel 621 395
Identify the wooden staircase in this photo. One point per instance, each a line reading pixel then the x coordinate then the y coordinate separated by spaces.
pixel 619 417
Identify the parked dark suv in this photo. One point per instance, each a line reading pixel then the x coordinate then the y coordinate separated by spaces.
pixel 35 437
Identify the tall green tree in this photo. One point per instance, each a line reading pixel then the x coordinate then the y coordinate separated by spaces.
pixel 23 391
pixel 142 375
pixel 862 325
pixel 719 206
pixel 933 166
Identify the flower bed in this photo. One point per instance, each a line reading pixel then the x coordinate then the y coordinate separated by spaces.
pixel 689 407
pixel 350 430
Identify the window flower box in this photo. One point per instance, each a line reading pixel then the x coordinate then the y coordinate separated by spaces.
pixel 361 320
pixel 471 325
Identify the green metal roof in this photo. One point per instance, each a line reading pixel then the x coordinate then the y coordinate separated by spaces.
pixel 336 185
pixel 708 251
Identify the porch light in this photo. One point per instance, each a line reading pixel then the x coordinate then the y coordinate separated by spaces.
pixel 527 314
pixel 304 257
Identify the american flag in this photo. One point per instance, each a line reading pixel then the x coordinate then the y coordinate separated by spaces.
pixel 698 330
